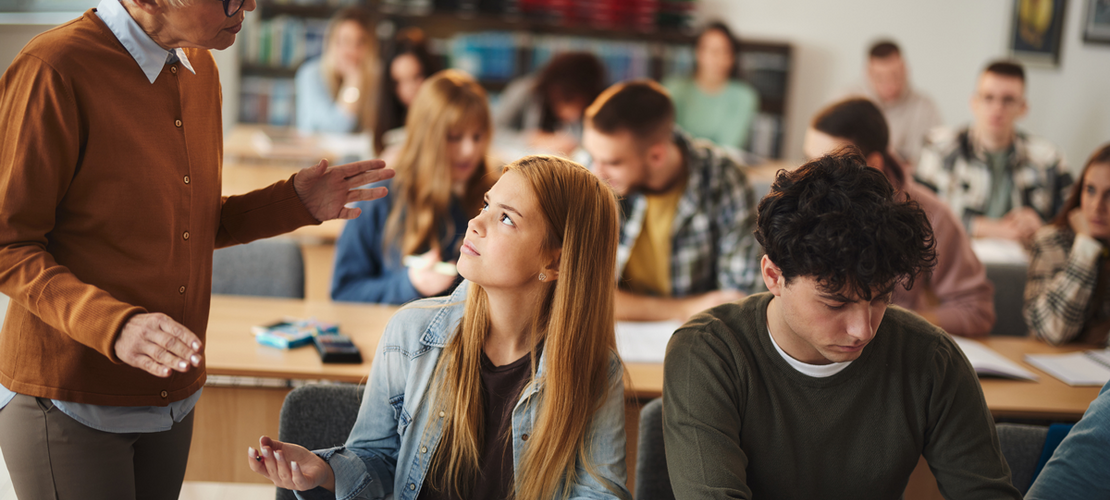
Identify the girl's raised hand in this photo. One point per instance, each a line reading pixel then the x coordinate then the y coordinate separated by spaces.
pixel 290 466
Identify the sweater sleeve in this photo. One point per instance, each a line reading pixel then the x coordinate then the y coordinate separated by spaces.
pixel 961 445
pixel 1060 284
pixel 41 131
pixel 701 415
pixel 735 133
pixel 262 213
pixel 364 271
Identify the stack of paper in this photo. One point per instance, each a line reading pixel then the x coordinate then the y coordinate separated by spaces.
pixel 644 342
pixel 1077 368
pixel 987 361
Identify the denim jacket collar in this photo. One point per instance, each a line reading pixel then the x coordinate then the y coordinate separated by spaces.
pixel 438 334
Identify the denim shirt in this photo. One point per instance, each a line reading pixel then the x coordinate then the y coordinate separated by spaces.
pixel 399 427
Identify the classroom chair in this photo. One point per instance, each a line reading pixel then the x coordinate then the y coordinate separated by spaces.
pixel 318 416
pixel 269 268
pixel 1022 446
pixel 1009 296
pixel 652 481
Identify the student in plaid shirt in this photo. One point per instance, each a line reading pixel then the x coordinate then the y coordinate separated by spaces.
pixel 686 240
pixel 1066 294
pixel 1002 182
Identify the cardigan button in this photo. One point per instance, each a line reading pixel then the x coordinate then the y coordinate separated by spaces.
pixel 181 290
pixel 173 69
pixel 186 235
pixel 165 394
pixel 177 122
pixel 186 179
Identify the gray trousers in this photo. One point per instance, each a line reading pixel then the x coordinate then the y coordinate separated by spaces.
pixel 52 456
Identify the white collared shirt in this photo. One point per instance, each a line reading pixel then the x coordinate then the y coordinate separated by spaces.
pixel 150 56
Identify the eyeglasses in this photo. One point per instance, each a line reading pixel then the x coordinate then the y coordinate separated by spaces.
pixel 232 7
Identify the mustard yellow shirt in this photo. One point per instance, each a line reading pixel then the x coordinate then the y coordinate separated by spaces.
pixel 648 271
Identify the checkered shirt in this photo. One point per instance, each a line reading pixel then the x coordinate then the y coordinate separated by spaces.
pixel 956 167
pixel 712 245
pixel 1062 277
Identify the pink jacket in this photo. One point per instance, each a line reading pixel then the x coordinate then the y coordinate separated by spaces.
pixel 958 289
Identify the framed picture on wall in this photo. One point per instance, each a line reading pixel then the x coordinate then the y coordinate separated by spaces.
pixel 1098 21
pixel 1038 31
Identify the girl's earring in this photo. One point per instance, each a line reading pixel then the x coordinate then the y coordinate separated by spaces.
pixel 543 277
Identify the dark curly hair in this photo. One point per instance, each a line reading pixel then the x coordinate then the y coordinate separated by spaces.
pixel 839 222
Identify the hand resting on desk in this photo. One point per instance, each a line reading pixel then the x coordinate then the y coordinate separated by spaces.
pixel 290 466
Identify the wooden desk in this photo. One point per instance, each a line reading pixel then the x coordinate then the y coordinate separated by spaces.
pixel 228 419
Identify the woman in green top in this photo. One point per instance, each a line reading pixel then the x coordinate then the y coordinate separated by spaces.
pixel 714 104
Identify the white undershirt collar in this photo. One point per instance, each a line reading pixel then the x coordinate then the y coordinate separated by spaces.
pixel 817 371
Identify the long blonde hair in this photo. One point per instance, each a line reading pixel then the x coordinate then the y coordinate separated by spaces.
pixel 370 65
pixel 447 102
pixel 574 318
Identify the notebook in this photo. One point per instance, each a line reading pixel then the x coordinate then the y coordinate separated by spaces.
pixel 987 361
pixel 1077 368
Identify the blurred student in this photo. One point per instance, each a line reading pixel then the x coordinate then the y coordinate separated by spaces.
pixel 956 295
pixel 715 104
pixel 1067 296
pixel 1002 182
pixel 406 67
pixel 686 208
pixel 442 173
pixel 1078 468
pixel 338 91
pixel 547 107
pixel 509 388
pixel 818 389
pixel 909 113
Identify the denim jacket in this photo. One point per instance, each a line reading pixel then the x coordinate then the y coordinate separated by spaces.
pixel 391 446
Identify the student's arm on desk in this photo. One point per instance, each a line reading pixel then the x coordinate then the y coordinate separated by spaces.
pixel 635 307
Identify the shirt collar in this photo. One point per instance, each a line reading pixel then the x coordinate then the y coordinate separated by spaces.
pixel 149 55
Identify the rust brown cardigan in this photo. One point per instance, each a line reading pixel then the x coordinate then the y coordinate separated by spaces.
pixel 110 206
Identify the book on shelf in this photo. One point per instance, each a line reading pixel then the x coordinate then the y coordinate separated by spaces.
pixel 267 100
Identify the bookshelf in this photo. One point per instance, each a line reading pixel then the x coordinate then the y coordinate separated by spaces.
pixel 498 47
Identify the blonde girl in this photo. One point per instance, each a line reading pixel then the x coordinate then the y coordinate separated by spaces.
pixel 338 92
pixel 442 172
pixel 511 387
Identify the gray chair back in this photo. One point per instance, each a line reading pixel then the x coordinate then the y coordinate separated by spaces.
pixel 318 416
pixel 268 268
pixel 652 481
pixel 1022 445
pixel 1009 296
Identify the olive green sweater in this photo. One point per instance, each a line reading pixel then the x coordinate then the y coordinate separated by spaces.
pixel 740 422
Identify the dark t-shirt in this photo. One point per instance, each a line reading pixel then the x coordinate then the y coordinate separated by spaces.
pixel 501 387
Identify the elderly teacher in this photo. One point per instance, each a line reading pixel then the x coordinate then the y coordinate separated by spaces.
pixel 110 207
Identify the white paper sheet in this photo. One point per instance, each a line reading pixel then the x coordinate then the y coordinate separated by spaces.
pixel 987 361
pixel 1077 368
pixel 644 342
pixel 999 251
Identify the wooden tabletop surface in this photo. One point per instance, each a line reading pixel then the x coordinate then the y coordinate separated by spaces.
pixel 232 350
